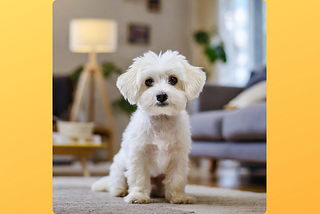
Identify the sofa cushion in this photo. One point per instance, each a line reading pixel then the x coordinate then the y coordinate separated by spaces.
pixel 206 126
pixel 248 124
pixel 245 151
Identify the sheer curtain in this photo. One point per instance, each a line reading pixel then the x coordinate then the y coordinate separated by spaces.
pixel 242 28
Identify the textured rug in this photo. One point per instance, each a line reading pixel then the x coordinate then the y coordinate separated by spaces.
pixel 73 195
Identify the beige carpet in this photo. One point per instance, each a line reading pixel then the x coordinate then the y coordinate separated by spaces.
pixel 73 195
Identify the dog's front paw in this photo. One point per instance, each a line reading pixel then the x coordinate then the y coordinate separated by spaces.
pixel 118 192
pixel 137 198
pixel 182 198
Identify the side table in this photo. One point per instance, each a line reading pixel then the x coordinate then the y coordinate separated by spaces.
pixel 82 150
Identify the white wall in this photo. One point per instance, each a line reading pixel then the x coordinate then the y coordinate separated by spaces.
pixel 204 17
pixel 170 29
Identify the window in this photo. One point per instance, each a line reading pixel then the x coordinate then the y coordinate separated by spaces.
pixel 242 27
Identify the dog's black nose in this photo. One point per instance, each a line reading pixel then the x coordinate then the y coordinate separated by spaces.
pixel 162 97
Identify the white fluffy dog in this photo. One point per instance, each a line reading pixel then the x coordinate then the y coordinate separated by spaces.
pixel 157 141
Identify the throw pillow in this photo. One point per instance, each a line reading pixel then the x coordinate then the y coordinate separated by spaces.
pixel 254 94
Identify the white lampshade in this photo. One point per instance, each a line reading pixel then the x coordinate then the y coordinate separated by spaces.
pixel 93 35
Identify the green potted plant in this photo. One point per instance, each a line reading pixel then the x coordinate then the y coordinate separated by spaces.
pixel 212 45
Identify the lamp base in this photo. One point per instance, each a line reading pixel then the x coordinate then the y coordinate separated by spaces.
pixel 92 73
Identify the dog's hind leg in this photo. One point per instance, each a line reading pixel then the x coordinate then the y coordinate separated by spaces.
pixel 117 180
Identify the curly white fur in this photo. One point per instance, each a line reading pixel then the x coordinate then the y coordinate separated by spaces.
pixel 158 139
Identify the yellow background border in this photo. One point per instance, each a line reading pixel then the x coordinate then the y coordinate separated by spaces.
pixel 293 106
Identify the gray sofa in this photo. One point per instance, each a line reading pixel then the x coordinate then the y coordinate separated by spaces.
pixel 227 134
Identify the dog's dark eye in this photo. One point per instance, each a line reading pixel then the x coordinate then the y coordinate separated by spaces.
pixel 173 80
pixel 149 82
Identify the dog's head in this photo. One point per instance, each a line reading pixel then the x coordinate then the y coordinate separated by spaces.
pixel 161 84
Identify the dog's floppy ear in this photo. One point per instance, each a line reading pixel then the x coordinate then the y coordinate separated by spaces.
pixel 127 83
pixel 195 80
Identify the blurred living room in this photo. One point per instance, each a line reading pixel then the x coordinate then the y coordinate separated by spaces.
pixel 228 119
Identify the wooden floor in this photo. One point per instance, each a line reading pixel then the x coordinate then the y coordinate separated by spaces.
pixel 228 174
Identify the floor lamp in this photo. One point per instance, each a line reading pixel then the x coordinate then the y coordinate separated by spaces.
pixel 93 36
